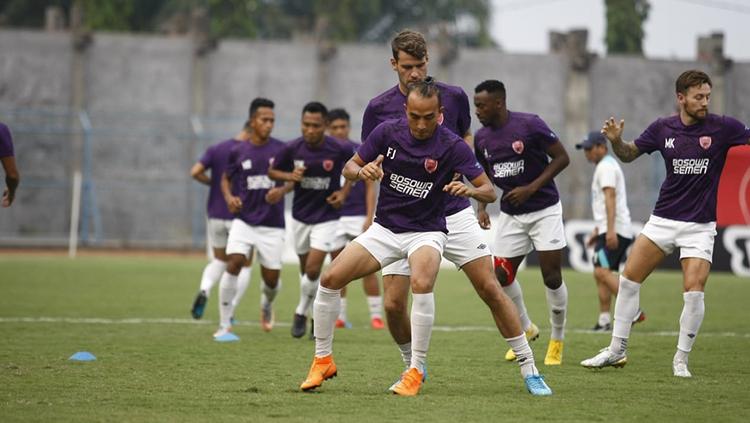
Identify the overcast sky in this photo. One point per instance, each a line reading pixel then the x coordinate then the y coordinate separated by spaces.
pixel 672 28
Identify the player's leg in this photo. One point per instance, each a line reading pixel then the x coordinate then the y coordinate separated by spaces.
pixel 604 294
pixel 243 280
pixel 270 248
pixel 238 250
pixel 396 287
pixel 307 288
pixel 371 286
pixel 217 239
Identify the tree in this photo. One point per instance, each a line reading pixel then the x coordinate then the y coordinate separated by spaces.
pixel 625 20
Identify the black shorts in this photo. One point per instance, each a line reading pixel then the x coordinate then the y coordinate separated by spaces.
pixel 610 259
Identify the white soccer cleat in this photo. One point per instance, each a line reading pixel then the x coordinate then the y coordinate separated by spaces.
pixel 605 358
pixel 680 369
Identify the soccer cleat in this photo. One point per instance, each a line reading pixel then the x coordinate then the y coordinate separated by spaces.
pixel 605 358
pixel 602 328
pixel 267 318
pixel 225 335
pixel 424 377
pixel 322 369
pixel 536 385
pixel 680 369
pixel 641 316
pixel 376 323
pixel 199 305
pixel 299 325
pixel 554 353
pixel 343 324
pixel 532 333
pixel 411 381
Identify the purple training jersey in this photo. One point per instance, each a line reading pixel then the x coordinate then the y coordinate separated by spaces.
pixel 216 158
pixel 456 117
pixel 694 157
pixel 248 171
pixel 415 171
pixel 322 176
pixel 6 141
pixel 356 204
pixel 514 155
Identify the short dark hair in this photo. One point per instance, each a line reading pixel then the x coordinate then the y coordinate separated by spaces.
pixel 425 89
pixel 315 107
pixel 492 86
pixel 259 102
pixel 336 114
pixel 410 42
pixel 691 78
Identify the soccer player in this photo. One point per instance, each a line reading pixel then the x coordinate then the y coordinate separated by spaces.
pixel 694 145
pixel 215 159
pixel 12 178
pixel 416 159
pixel 259 225
pixel 612 235
pixel 356 216
pixel 514 147
pixel 313 162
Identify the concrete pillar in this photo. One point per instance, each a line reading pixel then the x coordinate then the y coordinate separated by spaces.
pixel 711 52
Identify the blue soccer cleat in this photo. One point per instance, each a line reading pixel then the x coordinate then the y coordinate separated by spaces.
pixel 536 385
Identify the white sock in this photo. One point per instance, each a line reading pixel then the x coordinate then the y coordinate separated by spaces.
pixel 525 357
pixel 405 353
pixel 342 310
pixel 557 302
pixel 626 307
pixel 515 293
pixel 325 310
pixel 422 319
pixel 243 280
pixel 604 318
pixel 211 274
pixel 307 289
pixel 690 320
pixel 268 294
pixel 227 289
pixel 375 304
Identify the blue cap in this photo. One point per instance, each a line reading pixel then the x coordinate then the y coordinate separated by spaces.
pixel 592 139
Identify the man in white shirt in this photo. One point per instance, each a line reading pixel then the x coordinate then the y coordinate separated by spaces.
pixel 612 235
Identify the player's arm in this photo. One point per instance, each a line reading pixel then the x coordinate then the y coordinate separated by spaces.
pixel 198 172
pixel 624 150
pixel 356 169
pixel 234 204
pixel 482 190
pixel 609 205
pixel 560 161
pixel 276 194
pixel 338 197
pixel 12 179
pixel 280 175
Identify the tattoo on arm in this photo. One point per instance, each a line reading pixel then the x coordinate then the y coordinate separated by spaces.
pixel 626 151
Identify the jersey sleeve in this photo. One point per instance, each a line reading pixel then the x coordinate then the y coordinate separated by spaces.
pixel 369 121
pixel 735 132
pixel 464 115
pixel 6 142
pixel 372 145
pixel 542 133
pixel 479 153
pixel 647 142
pixel 465 162
pixel 232 165
pixel 207 158
pixel 283 159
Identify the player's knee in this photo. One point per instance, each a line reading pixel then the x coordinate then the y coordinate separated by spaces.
pixel 234 263
pixel 552 280
pixel 600 273
pixel 394 305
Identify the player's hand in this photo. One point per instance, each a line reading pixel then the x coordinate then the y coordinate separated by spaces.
pixel 484 219
pixel 459 189
pixel 611 130
pixel 298 173
pixel 519 195
pixel 7 198
pixel 274 195
pixel 372 171
pixel 336 199
pixel 234 204
pixel 591 241
pixel 612 241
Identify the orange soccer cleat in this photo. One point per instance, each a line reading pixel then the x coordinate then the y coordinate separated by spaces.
pixel 323 368
pixel 411 381
pixel 377 323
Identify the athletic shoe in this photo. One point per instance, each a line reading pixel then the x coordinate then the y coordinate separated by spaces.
pixel 602 328
pixel 536 385
pixel 411 381
pixel 641 316
pixel 343 324
pixel 199 305
pixel 424 377
pixel 554 353
pixel 299 325
pixel 267 318
pixel 680 369
pixel 225 335
pixel 376 323
pixel 532 333
pixel 322 369
pixel 605 358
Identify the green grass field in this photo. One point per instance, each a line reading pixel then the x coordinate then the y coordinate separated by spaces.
pixel 156 364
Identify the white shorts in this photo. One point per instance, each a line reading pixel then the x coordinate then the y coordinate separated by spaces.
pixel 693 239
pixel 465 243
pixel 350 227
pixel 218 231
pixel 388 247
pixel 267 241
pixel 320 236
pixel 517 235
